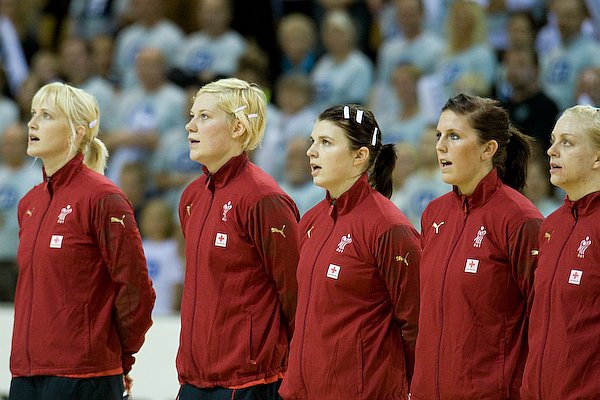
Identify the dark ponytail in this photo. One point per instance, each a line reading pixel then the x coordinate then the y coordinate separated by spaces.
pixel 381 177
pixel 513 171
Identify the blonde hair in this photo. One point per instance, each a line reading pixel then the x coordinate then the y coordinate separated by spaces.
pixel 588 118
pixel 243 101
pixel 297 24
pixel 81 110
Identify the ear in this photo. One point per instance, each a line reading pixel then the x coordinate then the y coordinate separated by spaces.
pixel 489 149
pixel 79 133
pixel 238 129
pixel 361 156
pixel 596 164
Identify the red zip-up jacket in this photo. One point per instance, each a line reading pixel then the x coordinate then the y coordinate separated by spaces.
pixel 84 300
pixel 479 254
pixel 358 300
pixel 239 295
pixel 564 352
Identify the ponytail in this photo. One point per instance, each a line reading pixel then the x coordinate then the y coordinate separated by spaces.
pixel 381 176
pixel 95 155
pixel 513 171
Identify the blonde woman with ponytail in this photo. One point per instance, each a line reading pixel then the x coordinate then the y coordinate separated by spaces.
pixel 83 299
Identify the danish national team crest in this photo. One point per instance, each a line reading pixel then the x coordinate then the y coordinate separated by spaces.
pixel 575 277
pixel 471 266
pixel 583 246
pixel 479 238
pixel 226 208
pixel 63 214
pixel 346 240
pixel 221 239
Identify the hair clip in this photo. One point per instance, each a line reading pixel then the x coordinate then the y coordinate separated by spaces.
pixel 374 139
pixel 359 115
pixel 240 108
pixel 346 112
pixel 92 124
pixel 252 116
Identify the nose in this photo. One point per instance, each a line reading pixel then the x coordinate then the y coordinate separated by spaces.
pixel 31 124
pixel 440 145
pixel 311 151
pixel 189 126
pixel 552 150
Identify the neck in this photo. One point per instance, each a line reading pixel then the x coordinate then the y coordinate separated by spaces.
pixel 468 188
pixel 342 188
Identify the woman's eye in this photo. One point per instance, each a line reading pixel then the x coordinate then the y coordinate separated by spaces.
pixel 454 136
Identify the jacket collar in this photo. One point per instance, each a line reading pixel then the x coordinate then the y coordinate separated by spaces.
pixel 351 197
pixel 584 206
pixel 228 172
pixel 64 175
pixel 483 192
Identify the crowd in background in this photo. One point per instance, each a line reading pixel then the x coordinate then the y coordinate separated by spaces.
pixel 145 59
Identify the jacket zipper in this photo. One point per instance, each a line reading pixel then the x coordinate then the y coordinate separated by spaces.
pixel 437 361
pixel 312 271
pixel 209 181
pixel 33 258
pixel 547 322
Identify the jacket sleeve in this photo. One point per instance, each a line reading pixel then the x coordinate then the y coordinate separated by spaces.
pixel 274 229
pixel 398 254
pixel 523 249
pixel 121 247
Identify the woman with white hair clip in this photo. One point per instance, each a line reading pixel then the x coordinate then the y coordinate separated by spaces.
pixel 564 354
pixel 239 294
pixel 83 299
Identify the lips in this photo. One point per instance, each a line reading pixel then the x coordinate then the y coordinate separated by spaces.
pixel 554 167
pixel 444 163
pixel 314 168
pixel 33 138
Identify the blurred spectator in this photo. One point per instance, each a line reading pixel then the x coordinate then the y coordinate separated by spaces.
pixel 423 185
pixel 297 36
pixel 88 19
pixel 469 59
pixel 150 28
pixel 589 87
pixel 520 31
pixel 562 66
pixel 25 20
pixel 344 73
pixel 498 14
pixel 12 54
pixel 9 111
pixel 297 182
pixel 296 118
pixel 76 68
pixel 25 94
pixel 408 122
pixel 45 66
pixel 406 164
pixel 17 176
pixel 538 188
pixel 214 50
pixel 414 45
pixel 528 107
pixel 161 248
pixel 143 114
pixel 135 181
pixel 102 51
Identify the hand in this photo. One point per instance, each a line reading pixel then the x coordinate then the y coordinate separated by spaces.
pixel 127 383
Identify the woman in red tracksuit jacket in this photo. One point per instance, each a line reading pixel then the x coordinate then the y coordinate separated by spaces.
pixel 239 295
pixel 479 252
pixel 83 299
pixel 358 274
pixel 564 354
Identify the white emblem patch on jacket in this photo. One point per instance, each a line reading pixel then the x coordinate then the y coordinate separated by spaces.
pixel 221 239
pixel 479 238
pixel 63 214
pixel 575 277
pixel 583 246
pixel 471 266
pixel 56 242
pixel 333 271
pixel 344 241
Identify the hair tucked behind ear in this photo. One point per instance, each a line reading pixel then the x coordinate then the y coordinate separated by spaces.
pixel 381 178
